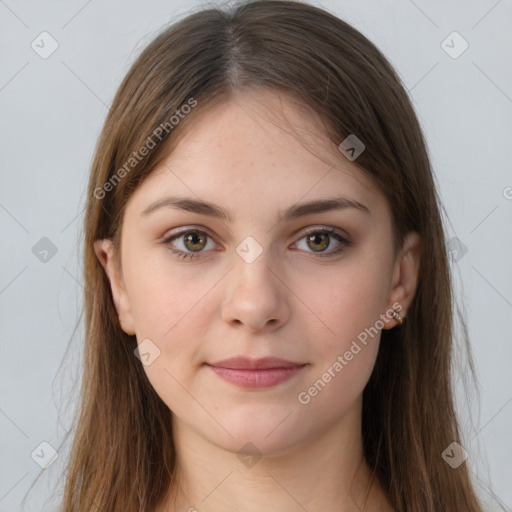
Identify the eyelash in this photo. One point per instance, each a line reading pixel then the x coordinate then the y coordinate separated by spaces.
pixel 330 231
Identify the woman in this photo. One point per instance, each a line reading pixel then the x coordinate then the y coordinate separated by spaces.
pixel 268 297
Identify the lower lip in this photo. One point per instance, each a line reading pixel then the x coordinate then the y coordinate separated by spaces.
pixel 256 378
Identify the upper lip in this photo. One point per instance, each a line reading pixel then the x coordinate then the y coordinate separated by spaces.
pixel 245 363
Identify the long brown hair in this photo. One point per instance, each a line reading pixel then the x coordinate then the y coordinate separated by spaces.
pixel 123 455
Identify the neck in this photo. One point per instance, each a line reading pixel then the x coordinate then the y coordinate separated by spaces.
pixel 326 472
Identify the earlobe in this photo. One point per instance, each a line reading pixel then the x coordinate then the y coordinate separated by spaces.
pixel 104 250
pixel 405 276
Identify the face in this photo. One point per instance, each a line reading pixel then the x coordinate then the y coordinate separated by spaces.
pixel 196 288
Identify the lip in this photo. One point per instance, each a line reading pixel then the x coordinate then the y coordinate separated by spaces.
pixel 256 373
pixel 246 363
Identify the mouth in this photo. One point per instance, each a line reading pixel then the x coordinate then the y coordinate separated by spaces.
pixel 256 373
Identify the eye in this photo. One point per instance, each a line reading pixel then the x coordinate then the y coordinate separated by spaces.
pixel 194 240
pixel 320 239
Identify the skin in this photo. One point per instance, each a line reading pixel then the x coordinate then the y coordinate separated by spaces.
pixel 290 302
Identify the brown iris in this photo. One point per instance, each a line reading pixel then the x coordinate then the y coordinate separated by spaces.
pixel 195 241
pixel 316 237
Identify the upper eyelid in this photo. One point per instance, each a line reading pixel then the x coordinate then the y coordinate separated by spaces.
pixel 186 230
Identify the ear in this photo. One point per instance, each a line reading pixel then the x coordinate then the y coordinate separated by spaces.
pixel 405 276
pixel 104 250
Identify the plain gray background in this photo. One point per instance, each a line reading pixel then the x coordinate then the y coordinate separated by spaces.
pixel 52 110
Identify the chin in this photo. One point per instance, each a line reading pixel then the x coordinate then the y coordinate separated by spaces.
pixel 262 435
pixel 257 444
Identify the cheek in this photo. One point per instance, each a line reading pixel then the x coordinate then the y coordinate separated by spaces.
pixel 347 306
pixel 167 304
pixel 163 294
pixel 345 348
pixel 345 301
pixel 170 308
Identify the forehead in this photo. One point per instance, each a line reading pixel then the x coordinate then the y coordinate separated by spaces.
pixel 254 151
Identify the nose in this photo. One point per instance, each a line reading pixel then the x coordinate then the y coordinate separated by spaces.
pixel 255 295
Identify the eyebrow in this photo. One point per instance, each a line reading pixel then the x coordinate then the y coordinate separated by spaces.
pixel 294 212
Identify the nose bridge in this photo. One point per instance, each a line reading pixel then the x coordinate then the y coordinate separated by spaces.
pixel 254 295
pixel 253 263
